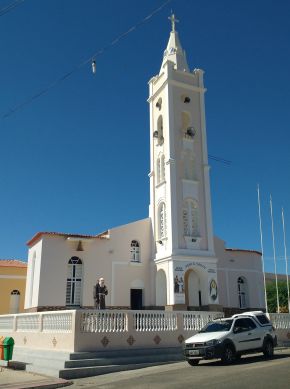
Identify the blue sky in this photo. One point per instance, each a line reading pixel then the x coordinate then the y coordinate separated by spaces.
pixel 76 159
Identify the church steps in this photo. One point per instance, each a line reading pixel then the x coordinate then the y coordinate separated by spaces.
pixel 124 352
pixel 119 360
pixel 82 372
pixel 86 364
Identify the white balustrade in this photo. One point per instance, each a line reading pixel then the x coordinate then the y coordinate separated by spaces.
pixel 57 322
pixel 104 321
pixel 194 321
pixel 28 323
pixel 281 321
pixel 116 321
pixel 155 321
pixel 6 323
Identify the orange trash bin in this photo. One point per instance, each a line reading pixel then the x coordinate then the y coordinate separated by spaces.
pixel 1 347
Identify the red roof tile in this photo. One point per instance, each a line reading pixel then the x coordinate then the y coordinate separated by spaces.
pixel 249 251
pixel 37 236
pixel 12 263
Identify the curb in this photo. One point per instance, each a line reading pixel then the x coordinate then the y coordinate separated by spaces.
pixel 40 384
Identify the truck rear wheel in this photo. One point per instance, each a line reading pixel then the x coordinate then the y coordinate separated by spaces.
pixel 268 349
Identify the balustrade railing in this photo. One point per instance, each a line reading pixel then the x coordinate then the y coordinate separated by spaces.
pixel 6 323
pixel 194 321
pixel 57 322
pixel 115 321
pixel 37 322
pixel 155 321
pixel 281 321
pixel 28 323
pixel 104 321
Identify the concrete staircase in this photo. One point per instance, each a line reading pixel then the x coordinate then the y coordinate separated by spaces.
pixel 86 364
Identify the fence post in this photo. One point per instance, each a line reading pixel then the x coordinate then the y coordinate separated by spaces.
pixel 40 315
pixel 180 326
pixel 130 316
pixel 76 329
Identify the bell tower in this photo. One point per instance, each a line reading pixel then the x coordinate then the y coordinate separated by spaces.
pixel 180 206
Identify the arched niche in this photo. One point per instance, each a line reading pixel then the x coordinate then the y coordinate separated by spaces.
pixel 193 297
pixel 161 288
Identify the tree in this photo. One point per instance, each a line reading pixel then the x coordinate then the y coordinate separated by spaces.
pixel 272 296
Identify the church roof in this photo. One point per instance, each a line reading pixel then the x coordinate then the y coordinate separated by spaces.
pixel 244 250
pixel 12 263
pixel 37 236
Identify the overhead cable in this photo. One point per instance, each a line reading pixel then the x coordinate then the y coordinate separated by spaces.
pixel 89 60
pixel 219 159
pixel 9 7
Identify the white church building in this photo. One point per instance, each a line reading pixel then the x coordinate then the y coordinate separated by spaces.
pixel 171 260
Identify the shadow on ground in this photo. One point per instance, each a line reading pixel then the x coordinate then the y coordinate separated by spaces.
pixel 245 360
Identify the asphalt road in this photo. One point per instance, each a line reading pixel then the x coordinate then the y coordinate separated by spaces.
pixel 249 372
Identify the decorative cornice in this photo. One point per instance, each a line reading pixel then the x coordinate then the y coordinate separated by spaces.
pixel 157 92
pixel 187 86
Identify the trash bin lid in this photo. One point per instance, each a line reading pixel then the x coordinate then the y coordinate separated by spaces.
pixel 8 341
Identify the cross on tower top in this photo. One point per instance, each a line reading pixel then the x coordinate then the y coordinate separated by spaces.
pixel 173 21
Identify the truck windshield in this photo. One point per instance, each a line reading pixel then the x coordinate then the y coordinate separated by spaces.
pixel 216 326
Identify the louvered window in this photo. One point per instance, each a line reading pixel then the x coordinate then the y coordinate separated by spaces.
pixel 190 218
pixel 74 281
pixel 135 251
pixel 162 221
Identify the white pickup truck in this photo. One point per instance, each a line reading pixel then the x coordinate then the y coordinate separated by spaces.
pixel 229 338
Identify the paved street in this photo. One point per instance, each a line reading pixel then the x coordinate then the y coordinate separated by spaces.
pixel 250 372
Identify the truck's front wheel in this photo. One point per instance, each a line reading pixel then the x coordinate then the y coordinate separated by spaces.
pixel 193 362
pixel 228 355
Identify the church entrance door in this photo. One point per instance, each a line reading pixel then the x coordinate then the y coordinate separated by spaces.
pixel 192 289
pixel 136 298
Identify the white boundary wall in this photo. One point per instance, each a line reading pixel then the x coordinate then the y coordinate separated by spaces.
pixel 91 330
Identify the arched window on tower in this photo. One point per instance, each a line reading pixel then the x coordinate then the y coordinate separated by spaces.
pixel 135 251
pixel 14 301
pixel 194 218
pixel 74 282
pixel 160 169
pixel 186 230
pixel 162 221
pixel 190 218
pixel 243 292
pixel 160 130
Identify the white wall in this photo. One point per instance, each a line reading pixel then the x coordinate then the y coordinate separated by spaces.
pixel 233 264
pixel 33 275
pixel 109 258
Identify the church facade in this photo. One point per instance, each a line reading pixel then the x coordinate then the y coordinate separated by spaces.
pixel 171 260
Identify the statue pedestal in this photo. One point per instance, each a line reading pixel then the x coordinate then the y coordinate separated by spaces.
pixel 176 307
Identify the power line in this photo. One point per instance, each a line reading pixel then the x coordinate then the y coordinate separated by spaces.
pixel 89 60
pixel 9 7
pixel 96 54
pixel 221 160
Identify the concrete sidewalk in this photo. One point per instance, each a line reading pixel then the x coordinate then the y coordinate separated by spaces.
pixel 20 379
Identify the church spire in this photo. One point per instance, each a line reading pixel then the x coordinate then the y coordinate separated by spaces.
pixel 173 21
pixel 174 51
